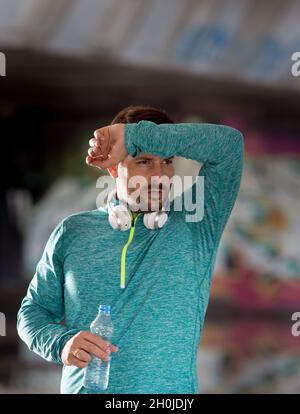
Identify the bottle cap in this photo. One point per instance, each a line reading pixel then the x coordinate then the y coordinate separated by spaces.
pixel 104 308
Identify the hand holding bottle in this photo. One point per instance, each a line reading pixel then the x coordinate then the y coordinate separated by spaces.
pixel 80 348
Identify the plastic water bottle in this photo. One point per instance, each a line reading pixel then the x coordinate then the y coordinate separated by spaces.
pixel 96 374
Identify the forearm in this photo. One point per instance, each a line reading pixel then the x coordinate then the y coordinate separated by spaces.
pixel 41 332
pixel 201 142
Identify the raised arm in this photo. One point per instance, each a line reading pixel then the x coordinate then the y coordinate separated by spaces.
pixel 219 148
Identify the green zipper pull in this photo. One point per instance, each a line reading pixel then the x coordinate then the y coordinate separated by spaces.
pixel 124 250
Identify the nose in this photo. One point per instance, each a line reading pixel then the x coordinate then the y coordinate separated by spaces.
pixel 157 171
pixel 158 176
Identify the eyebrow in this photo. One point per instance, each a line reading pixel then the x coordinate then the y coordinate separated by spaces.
pixel 151 158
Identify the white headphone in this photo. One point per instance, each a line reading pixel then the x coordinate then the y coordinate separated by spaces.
pixel 120 217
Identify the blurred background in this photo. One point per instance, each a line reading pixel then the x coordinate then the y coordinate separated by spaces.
pixel 71 65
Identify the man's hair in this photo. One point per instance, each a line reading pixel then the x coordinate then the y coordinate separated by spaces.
pixel 135 113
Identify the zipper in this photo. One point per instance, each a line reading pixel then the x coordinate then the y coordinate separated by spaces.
pixel 124 250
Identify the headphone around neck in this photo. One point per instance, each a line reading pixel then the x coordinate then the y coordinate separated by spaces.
pixel 120 216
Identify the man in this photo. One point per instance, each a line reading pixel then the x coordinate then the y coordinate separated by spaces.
pixel 158 313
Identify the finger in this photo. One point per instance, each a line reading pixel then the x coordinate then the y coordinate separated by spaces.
pixel 97 340
pixel 98 133
pixel 102 136
pixel 93 141
pixel 99 162
pixel 77 362
pixel 102 163
pixel 98 152
pixel 88 160
pixel 95 350
pixel 92 162
pixel 82 355
pixel 95 152
pixel 113 348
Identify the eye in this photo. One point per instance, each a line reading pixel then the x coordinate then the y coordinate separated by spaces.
pixel 168 161
pixel 143 162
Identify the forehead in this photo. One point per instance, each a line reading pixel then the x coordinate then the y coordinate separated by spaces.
pixel 146 155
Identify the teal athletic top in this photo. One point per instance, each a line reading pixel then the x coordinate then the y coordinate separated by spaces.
pixel 158 317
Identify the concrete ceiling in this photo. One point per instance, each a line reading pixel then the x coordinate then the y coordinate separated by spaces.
pixel 245 39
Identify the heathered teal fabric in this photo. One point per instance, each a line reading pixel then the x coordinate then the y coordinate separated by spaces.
pixel 158 317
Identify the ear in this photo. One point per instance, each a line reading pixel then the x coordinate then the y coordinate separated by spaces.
pixel 113 171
